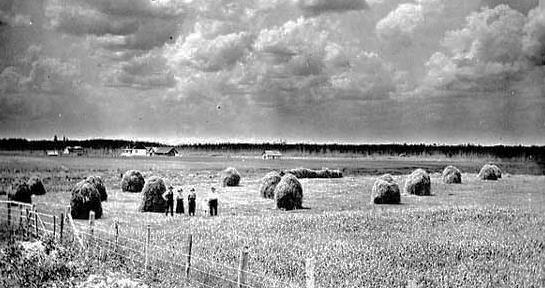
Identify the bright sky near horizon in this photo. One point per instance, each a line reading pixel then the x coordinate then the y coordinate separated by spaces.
pixel 374 71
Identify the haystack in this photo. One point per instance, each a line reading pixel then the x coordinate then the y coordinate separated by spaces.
pixel 288 194
pixel 85 198
pixel 230 177
pixel 268 184
pixel 451 175
pixel 20 192
pixel 489 172
pixel 99 185
pixel 36 186
pixel 418 183
pixel 152 196
pixel 132 181
pixel 301 173
pixel 385 191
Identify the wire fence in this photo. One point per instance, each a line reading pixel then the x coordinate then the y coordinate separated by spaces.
pixel 176 267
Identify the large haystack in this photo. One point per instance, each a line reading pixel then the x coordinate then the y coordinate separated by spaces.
pixel 489 172
pixel 20 192
pixel 132 181
pixel 230 177
pixel 418 183
pixel 452 175
pixel 288 194
pixel 152 196
pixel 85 198
pixel 385 191
pixel 268 184
pixel 99 185
pixel 301 173
pixel 36 186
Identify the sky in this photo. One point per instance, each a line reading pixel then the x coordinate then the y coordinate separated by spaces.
pixel 326 71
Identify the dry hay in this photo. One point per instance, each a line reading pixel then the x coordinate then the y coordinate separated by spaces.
pixel 99 185
pixel 489 172
pixel 452 175
pixel 36 186
pixel 301 173
pixel 268 184
pixel 230 177
pixel 85 198
pixel 288 194
pixel 385 191
pixel 418 183
pixel 20 192
pixel 152 196
pixel 132 181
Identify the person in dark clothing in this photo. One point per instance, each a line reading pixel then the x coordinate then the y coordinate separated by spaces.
pixel 191 201
pixel 213 202
pixel 179 202
pixel 169 197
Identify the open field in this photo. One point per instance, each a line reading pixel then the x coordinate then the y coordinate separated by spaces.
pixel 476 234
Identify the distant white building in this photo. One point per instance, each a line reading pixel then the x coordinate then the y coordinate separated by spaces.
pixel 73 150
pixel 136 150
pixel 164 151
pixel 271 154
pixel 52 153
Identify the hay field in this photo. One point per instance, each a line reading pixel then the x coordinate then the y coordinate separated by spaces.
pixel 476 234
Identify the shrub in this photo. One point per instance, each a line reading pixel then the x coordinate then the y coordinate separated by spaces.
pixel 85 198
pixel 288 194
pixel 132 181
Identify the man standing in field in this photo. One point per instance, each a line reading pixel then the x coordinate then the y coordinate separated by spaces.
pixel 213 202
pixel 191 199
pixel 169 197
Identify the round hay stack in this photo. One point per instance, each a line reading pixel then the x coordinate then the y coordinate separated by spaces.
pixel 418 183
pixel 20 192
pixel 230 177
pixel 489 172
pixel 99 185
pixel 451 175
pixel 85 198
pixel 132 181
pixel 36 186
pixel 152 196
pixel 385 191
pixel 268 184
pixel 288 194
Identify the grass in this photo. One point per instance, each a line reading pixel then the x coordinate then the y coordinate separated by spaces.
pixel 476 234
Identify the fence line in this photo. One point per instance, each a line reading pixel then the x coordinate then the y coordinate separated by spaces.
pixel 151 255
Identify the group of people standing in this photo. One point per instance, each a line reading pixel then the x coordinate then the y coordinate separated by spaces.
pixel 170 197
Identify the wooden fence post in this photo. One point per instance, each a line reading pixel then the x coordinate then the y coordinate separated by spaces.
pixel 61 227
pixel 146 249
pixel 27 221
pixel 242 267
pixel 36 223
pixel 309 272
pixel 116 233
pixel 20 216
pixel 9 213
pixel 91 228
pixel 54 227
pixel 188 261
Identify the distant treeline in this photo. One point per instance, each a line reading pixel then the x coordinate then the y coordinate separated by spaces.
pixel 529 153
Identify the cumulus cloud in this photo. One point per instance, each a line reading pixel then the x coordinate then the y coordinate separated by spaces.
pixel 317 7
pixel 534 42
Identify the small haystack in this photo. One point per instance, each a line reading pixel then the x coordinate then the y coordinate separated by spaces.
pixel 451 175
pixel 301 173
pixel 418 183
pixel 288 194
pixel 152 196
pixel 85 198
pixel 385 191
pixel 230 177
pixel 36 186
pixel 20 192
pixel 489 172
pixel 132 181
pixel 268 184
pixel 99 185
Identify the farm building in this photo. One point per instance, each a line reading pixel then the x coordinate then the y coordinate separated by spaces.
pixel 73 150
pixel 136 150
pixel 164 151
pixel 52 153
pixel 271 154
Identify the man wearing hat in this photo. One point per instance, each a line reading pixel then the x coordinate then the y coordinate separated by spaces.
pixel 169 197
pixel 191 199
